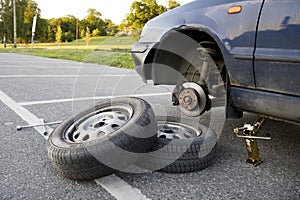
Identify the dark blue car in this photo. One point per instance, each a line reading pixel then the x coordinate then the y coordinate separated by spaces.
pixel 245 53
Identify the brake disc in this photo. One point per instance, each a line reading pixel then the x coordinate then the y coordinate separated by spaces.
pixel 192 99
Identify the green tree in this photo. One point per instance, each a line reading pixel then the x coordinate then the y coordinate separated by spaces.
pixel 93 21
pixel 82 33
pixel 93 16
pixel 87 36
pixel 141 12
pixel 6 19
pixel 68 23
pixel 96 32
pixel 67 37
pixel 53 25
pixel 111 28
pixel 68 26
pixel 58 34
pixel 42 31
pixel 26 10
pixel 30 11
pixel 5 26
pixel 172 4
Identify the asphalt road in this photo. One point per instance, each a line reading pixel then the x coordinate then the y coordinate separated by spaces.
pixel 54 89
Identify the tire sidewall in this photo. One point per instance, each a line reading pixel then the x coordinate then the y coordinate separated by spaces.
pixel 181 155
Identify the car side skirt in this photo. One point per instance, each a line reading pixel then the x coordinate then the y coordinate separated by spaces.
pixel 269 104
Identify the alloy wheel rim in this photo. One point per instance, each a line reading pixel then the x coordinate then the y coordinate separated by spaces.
pixel 98 124
pixel 176 130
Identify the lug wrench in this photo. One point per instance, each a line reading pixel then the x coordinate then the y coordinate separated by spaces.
pixel 43 124
pixel 45 132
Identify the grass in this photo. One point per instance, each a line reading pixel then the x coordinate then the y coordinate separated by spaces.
pixel 112 51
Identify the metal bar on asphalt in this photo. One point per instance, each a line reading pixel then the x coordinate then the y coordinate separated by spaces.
pixel 23 113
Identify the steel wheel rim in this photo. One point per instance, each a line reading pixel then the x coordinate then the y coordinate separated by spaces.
pixel 176 130
pixel 98 124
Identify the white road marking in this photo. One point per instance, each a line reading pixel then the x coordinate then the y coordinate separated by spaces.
pixel 81 66
pixel 43 67
pixel 120 189
pixel 63 76
pixel 23 113
pixel 117 187
pixel 88 98
pixel 2 61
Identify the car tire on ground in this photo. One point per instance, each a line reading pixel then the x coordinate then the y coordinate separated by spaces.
pixel 100 140
pixel 180 147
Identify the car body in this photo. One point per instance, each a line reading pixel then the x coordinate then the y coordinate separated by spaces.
pixel 256 41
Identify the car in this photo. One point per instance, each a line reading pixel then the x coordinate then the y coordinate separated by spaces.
pixel 244 53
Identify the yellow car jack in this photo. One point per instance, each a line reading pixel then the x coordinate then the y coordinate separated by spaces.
pixel 249 132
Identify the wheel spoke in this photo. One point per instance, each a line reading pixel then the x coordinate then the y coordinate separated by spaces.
pixel 171 131
pixel 108 129
pixel 180 134
pixel 120 118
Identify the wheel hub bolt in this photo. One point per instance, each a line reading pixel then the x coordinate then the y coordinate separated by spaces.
pixel 188 100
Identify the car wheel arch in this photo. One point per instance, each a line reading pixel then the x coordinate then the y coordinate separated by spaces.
pixel 197 34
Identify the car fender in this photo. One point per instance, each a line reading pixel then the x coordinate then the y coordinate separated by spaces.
pixel 234 34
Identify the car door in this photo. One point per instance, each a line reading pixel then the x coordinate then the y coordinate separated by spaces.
pixel 277 54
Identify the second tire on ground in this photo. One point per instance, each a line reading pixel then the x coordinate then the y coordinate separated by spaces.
pixel 180 147
pixel 102 139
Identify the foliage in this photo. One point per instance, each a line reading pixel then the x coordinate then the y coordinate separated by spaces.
pixel 141 12
pixel 172 4
pixel 67 37
pixel 96 32
pixel 87 36
pixel 82 33
pixel 47 29
pixel 111 28
pixel 58 35
pixel 26 10
pixel 93 21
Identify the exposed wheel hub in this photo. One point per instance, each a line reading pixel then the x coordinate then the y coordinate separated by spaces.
pixel 188 99
pixel 191 98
